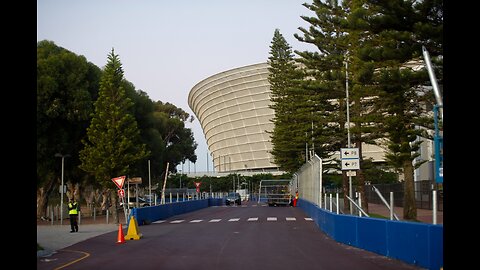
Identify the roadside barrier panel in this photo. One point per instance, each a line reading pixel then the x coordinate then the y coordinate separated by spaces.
pixel 412 242
pixel 372 234
pixel 345 230
pixel 149 214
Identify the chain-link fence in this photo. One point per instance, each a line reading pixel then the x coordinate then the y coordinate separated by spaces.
pixel 423 194
pixel 308 181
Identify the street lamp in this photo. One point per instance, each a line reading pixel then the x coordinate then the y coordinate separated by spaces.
pixel 61 187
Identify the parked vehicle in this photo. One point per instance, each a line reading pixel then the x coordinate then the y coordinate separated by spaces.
pixel 133 202
pixel 233 198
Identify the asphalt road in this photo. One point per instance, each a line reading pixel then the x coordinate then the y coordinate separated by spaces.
pixel 247 237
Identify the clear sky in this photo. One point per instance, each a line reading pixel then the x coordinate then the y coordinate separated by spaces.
pixel 168 46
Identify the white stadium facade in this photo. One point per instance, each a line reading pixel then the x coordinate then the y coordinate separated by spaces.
pixel 233 110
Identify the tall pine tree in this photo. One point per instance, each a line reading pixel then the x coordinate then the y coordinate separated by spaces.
pixel 283 77
pixel 112 143
pixel 395 33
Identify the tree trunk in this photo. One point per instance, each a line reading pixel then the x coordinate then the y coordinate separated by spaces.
pixel 361 189
pixel 361 180
pixel 115 206
pixel 42 196
pixel 346 202
pixel 409 205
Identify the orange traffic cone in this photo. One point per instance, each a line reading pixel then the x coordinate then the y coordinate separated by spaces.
pixel 120 238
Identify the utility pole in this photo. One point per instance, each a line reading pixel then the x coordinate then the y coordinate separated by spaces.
pixel 350 188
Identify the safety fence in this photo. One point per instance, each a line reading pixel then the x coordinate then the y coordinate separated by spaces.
pixel 415 243
pixel 149 214
pixel 423 194
pixel 308 181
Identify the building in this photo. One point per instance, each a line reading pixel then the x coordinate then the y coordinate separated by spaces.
pixel 233 110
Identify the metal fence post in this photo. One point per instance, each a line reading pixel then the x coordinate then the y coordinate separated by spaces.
pixel 391 205
pixel 360 203
pixel 331 202
pixel 338 207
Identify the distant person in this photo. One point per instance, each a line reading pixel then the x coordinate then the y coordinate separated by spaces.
pixel 73 210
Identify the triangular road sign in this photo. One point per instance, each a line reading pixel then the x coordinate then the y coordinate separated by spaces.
pixel 119 181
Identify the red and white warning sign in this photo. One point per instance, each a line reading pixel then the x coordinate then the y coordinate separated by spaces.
pixel 121 193
pixel 119 181
pixel 197 185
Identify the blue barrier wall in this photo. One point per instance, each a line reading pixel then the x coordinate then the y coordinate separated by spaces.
pixel 149 214
pixel 415 243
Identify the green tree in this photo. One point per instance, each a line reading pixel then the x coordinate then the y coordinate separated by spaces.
pixel 67 84
pixel 287 148
pixel 112 143
pixel 327 79
pixel 396 32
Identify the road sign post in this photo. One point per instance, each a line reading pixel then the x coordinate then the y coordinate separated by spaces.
pixel 350 159
pixel 119 181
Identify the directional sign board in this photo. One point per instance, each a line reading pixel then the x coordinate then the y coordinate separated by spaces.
pixel 119 181
pixel 350 158
pixel 351 164
pixel 347 153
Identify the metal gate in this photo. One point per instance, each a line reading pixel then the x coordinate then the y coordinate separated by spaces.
pixel 275 192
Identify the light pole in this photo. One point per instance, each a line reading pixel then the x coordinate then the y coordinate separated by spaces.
pixel 61 186
pixel 350 188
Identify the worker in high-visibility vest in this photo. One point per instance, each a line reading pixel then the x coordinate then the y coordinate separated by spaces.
pixel 73 210
pixel 296 199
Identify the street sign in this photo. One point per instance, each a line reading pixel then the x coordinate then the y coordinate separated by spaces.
pixel 347 153
pixel 121 193
pixel 197 185
pixel 119 181
pixel 351 173
pixel 135 180
pixel 350 164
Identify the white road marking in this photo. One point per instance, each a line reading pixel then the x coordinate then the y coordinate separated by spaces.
pixel 196 221
pixel 233 219
pixel 159 221
pixel 215 220
pixel 308 219
pixel 177 221
pixel 271 218
pixel 252 219
pixel 291 219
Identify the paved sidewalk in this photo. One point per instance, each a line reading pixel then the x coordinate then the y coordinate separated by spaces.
pixel 55 237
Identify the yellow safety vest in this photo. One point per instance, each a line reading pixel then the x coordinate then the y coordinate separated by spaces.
pixel 73 209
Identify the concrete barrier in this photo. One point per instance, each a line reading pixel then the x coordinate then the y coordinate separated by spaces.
pixel 414 243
